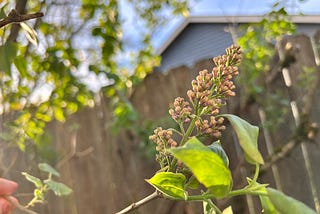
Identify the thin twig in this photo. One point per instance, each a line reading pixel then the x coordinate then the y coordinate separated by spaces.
pixel 283 152
pixel 145 200
pixel 12 162
pixel 19 206
pixel 15 17
pixel 73 152
pixel 85 152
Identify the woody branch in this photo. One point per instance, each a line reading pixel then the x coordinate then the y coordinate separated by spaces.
pixel 15 17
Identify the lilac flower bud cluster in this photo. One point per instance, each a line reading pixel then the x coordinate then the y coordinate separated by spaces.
pixel 207 96
pixel 202 92
pixel 181 110
pixel 211 127
pixel 234 55
pixel 209 90
pixel 163 140
pixel 225 70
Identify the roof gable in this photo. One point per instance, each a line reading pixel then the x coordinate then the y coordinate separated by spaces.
pixel 309 19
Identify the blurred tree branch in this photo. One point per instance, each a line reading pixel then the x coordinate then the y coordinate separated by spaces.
pixel 15 17
pixel 143 201
pixel 19 206
pixel 20 8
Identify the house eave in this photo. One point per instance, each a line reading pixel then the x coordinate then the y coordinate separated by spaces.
pixel 307 19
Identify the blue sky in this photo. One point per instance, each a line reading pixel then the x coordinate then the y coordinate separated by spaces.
pixel 250 7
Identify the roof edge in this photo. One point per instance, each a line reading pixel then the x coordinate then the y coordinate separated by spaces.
pixel 311 19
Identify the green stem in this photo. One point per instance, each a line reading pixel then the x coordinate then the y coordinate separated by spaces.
pixel 230 194
pixel 173 165
pixel 176 131
pixel 188 132
pixel 256 173
pixel 216 209
pixel 200 197
pixel 245 192
pixel 191 126
pixel 183 132
pixel 185 138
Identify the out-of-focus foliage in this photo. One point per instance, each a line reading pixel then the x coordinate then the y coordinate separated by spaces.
pixel 152 12
pixel 258 45
pixel 76 40
pixel 42 187
pixel 110 31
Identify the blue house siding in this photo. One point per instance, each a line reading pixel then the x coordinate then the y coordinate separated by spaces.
pixel 196 41
pixel 205 40
pixel 308 29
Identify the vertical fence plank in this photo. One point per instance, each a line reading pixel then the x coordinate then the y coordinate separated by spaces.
pixel 295 164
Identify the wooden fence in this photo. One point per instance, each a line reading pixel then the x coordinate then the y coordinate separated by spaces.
pixel 107 172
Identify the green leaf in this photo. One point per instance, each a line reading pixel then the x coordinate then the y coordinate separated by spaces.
pixel 267 206
pixel 39 194
pixel 21 64
pixel 58 188
pixel 170 184
pixel 8 52
pixel 208 207
pixel 42 116
pixel 37 182
pixel 31 34
pixel 2 13
pixel 47 168
pixel 248 138
pixel 58 114
pixel 192 183
pixel 285 204
pixel 207 166
pixel 217 148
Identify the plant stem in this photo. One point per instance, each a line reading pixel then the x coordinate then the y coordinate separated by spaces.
pixel 176 131
pixel 19 206
pixel 173 164
pixel 183 141
pixel 191 125
pixel 232 193
pixel 143 201
pixel 188 132
pixel 256 173
pixel 216 209
pixel 200 197
pixel 246 191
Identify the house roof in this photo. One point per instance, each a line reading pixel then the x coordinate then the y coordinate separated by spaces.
pixel 307 19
